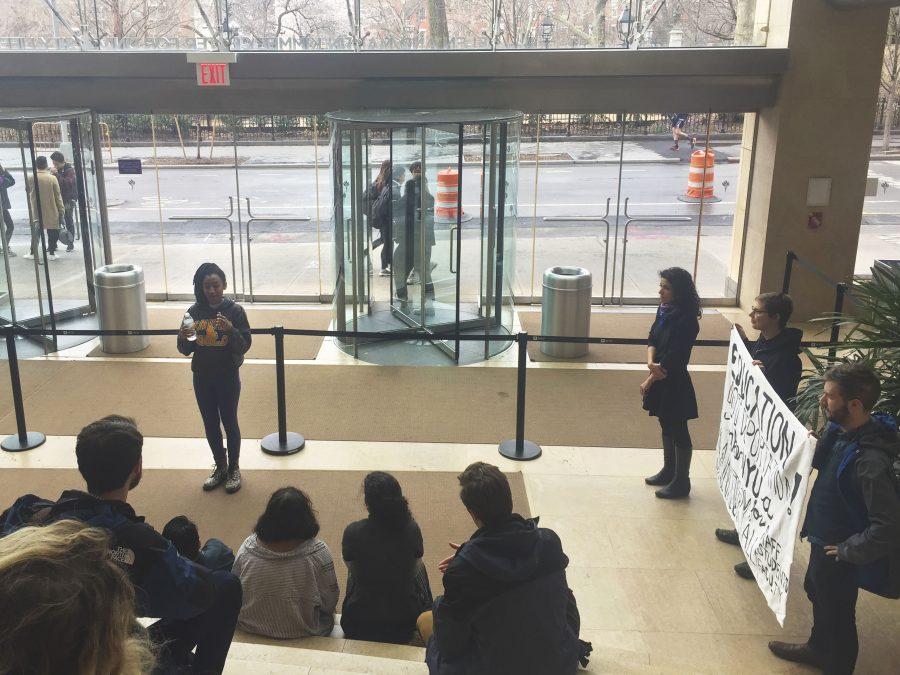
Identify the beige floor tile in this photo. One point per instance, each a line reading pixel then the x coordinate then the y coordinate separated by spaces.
pixel 637 462
pixel 320 644
pixel 622 647
pixel 585 540
pixel 716 653
pixel 554 460
pixel 620 497
pixel 243 667
pixel 385 651
pixel 602 602
pixel 741 608
pixel 671 544
pixel 627 600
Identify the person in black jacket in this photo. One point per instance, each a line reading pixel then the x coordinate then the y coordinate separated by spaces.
pixel 196 607
pixel 217 333
pixel 6 182
pixel 852 518
pixel 417 229
pixel 776 351
pixel 668 391
pixel 378 197
pixel 508 568
pixel 184 535
pixel 387 584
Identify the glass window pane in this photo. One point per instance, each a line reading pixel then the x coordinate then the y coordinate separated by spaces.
pixel 426 24
pixel 879 235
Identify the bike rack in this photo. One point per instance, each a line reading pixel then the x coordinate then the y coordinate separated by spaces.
pixel 252 219
pixel 628 221
pixel 592 219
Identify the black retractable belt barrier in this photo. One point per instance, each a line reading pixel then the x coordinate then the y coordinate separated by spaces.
pixel 22 439
pixel 283 442
pixel 518 448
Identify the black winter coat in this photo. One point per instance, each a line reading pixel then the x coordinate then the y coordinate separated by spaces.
pixel 507 607
pixel 781 361
pixel 673 336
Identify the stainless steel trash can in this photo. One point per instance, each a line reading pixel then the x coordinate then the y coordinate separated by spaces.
pixel 566 310
pixel 121 305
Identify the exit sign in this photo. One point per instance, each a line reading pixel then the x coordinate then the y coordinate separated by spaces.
pixel 213 75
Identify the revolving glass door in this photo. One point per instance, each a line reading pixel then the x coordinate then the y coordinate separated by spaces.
pixel 424 231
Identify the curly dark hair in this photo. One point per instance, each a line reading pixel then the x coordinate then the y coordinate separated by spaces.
pixel 684 293
pixel 385 500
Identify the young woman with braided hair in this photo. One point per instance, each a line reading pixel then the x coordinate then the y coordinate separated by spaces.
pixel 215 333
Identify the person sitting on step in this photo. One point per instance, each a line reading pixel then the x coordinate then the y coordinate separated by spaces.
pixel 196 607
pixel 387 585
pixel 508 568
pixel 290 586
pixel 183 533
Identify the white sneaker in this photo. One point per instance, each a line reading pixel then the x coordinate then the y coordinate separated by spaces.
pixel 51 256
pixel 386 272
pixel 28 256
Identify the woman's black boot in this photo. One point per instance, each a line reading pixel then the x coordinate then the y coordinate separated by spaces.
pixel 667 473
pixel 680 486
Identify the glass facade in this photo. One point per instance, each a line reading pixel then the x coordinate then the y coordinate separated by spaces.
pixel 605 191
pixel 355 25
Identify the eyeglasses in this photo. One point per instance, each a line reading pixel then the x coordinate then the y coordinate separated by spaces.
pixel 754 311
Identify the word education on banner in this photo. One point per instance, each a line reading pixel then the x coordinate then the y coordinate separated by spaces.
pixel 763 461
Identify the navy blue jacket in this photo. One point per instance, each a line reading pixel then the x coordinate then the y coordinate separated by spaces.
pixel 780 357
pixel 506 606
pixel 869 496
pixel 166 585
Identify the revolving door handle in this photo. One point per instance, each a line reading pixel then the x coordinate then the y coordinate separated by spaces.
pixel 452 257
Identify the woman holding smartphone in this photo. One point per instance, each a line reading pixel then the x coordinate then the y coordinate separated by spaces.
pixel 216 334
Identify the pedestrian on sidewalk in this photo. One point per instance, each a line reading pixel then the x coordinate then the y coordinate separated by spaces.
pixel 68 188
pixel 668 391
pixel 6 182
pixel 679 120
pixel 46 208
pixel 216 334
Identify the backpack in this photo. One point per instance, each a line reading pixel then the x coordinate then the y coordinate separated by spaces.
pixel 26 510
pixel 381 208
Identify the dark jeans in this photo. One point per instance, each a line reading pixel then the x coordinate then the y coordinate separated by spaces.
pixel 217 398
pixel 210 632
pixel 52 239
pixel 678 430
pixel 406 256
pixel 830 585
pixel 70 221
pixel 386 242
pixel 8 230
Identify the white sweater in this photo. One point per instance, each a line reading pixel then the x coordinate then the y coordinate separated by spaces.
pixel 286 595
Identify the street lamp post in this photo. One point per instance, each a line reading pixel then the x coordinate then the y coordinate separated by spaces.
pixel 547 30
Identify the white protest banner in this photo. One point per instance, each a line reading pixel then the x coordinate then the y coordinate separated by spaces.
pixel 763 461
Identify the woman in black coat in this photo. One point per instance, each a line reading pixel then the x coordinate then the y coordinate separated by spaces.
pixel 668 391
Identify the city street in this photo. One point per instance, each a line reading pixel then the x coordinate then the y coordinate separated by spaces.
pixel 291 212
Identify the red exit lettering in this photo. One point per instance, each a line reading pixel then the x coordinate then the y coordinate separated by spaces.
pixel 213 75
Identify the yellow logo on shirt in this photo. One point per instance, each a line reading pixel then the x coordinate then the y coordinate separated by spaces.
pixel 208 336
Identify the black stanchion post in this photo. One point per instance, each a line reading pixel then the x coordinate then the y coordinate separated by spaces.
pixel 518 448
pixel 283 442
pixel 23 439
pixel 788 268
pixel 839 292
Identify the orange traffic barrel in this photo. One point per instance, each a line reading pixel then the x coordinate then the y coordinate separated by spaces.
pixel 446 199
pixel 701 177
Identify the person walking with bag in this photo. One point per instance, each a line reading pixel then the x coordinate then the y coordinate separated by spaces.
pixel 216 334
pixel 379 197
pixel 47 208
pixel 668 392
pixel 6 182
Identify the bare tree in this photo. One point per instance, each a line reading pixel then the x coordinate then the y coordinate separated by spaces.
pixel 890 76
pixel 438 34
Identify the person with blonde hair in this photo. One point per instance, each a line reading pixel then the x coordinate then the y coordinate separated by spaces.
pixel 65 606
